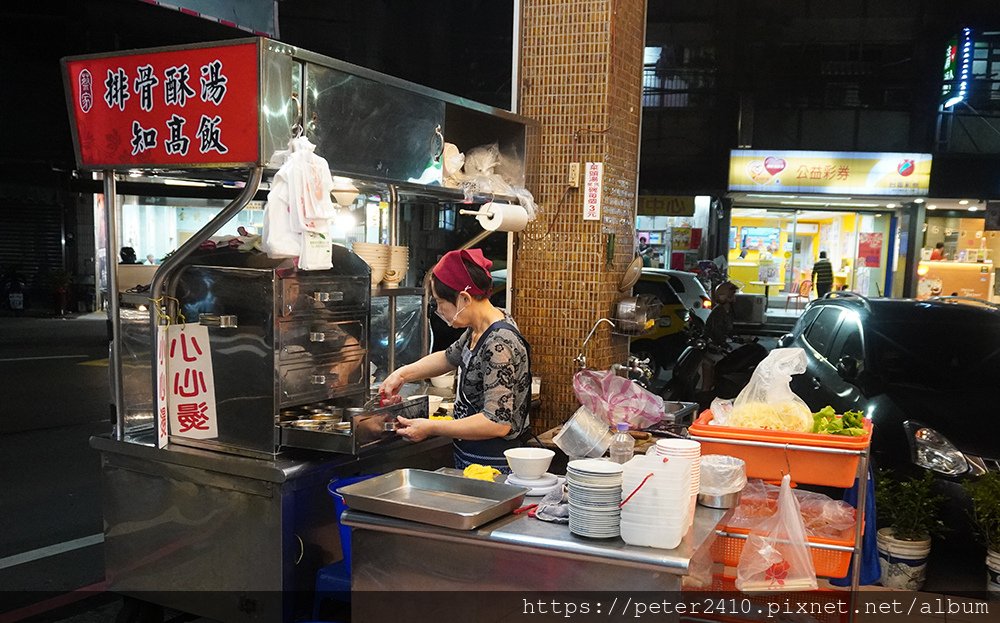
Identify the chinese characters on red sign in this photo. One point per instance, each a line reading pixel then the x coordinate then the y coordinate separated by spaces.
pixel 194 106
pixel 592 191
pixel 189 382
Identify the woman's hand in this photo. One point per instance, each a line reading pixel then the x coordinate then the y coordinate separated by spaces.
pixel 414 429
pixel 390 386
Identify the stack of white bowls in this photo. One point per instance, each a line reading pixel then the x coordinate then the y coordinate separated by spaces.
pixel 595 491
pixel 376 255
pixel 657 500
pixel 685 449
pixel 399 260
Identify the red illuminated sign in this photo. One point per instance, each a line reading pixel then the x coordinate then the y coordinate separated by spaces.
pixel 174 107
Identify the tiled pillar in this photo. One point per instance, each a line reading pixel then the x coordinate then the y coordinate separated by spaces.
pixel 581 79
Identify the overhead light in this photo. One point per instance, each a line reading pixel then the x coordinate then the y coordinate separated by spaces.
pixel 825 204
pixel 932 207
pixel 890 205
pixel 918 200
pixel 756 196
pixel 963 202
pixel 173 182
pixel 973 209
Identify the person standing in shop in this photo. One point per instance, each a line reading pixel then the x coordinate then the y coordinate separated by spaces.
pixel 822 275
pixel 493 390
pixel 938 252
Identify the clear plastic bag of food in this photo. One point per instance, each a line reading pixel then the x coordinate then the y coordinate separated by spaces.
pixel 776 555
pixel 768 400
pixel 822 516
pixel 616 399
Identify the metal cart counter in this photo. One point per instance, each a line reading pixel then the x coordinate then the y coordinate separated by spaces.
pixel 224 536
pixel 514 553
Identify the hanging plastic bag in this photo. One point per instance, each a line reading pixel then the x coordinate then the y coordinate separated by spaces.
pixel 616 399
pixel 768 400
pixel 776 555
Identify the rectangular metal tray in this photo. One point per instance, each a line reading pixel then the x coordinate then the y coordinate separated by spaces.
pixel 434 498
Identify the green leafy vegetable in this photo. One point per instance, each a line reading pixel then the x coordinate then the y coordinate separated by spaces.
pixel 825 421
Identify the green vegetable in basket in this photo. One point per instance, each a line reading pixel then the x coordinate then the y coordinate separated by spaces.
pixel 825 421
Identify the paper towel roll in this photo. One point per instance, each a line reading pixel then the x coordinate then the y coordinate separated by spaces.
pixel 503 217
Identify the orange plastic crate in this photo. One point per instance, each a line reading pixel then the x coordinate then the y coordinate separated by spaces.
pixel 769 463
pixel 828 563
pixel 762 601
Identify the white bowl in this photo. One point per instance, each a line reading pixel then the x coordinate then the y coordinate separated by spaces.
pixel 529 463
pixel 434 402
pixel 444 381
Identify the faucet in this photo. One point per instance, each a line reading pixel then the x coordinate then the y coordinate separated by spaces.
pixel 581 360
pixel 636 366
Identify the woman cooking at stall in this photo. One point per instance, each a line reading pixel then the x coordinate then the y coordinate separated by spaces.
pixel 493 393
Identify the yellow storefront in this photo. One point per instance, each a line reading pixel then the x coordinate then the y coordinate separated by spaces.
pixel 789 206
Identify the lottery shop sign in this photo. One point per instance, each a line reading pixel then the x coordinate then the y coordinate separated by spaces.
pixel 168 107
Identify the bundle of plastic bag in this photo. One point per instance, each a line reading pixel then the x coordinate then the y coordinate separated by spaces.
pixel 296 217
pixel 822 516
pixel 776 555
pixel 768 400
pixel 616 399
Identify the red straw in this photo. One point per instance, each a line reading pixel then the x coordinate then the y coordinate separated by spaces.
pixel 636 490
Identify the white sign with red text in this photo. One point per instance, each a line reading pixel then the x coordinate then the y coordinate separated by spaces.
pixel 190 382
pixel 162 419
pixel 593 188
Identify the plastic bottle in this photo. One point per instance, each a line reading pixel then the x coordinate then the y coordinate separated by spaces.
pixel 622 445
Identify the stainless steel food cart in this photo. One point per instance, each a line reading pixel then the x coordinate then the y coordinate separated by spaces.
pixel 212 526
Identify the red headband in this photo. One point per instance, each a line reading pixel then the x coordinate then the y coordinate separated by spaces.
pixel 452 272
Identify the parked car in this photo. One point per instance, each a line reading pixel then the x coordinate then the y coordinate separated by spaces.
pixel 682 295
pixel 924 371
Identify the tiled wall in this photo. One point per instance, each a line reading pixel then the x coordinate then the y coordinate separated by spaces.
pixel 581 79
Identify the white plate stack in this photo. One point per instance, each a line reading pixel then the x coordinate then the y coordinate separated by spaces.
pixel 595 491
pixel 685 449
pixel 657 497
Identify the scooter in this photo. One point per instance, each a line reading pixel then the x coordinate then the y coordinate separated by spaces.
pixel 13 286
pixel 730 373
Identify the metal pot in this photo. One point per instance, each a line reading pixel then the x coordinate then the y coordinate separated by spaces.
pixel 632 313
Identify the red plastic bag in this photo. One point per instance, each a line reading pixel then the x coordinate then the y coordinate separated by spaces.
pixel 776 556
pixel 616 399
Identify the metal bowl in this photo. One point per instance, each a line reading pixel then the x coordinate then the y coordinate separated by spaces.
pixel 726 500
pixel 306 424
pixel 324 417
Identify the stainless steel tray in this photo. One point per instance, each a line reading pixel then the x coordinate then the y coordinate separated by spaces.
pixel 434 498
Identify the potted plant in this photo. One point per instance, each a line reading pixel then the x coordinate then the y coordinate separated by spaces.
pixel 910 511
pixel 984 492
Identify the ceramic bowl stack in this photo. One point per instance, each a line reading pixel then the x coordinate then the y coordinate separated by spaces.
pixel 685 449
pixel 399 260
pixel 595 491
pixel 376 255
pixel 657 499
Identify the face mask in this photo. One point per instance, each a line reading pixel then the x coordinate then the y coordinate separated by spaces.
pixel 451 322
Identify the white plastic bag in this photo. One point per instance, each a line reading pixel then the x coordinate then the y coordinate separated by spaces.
pixel 776 555
pixel 768 400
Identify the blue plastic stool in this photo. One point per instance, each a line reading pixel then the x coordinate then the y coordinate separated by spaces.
pixel 334 580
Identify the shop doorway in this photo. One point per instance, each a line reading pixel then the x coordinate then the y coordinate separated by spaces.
pixel 772 251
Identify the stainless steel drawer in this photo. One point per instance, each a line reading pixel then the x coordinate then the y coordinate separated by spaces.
pixel 303 296
pixel 319 381
pixel 299 339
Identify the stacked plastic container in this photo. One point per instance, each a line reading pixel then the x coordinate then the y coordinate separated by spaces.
pixel 656 501
pixel 691 451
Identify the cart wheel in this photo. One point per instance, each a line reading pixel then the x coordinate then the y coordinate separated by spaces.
pixel 139 611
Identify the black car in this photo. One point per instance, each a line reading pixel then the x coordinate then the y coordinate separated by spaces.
pixel 926 372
